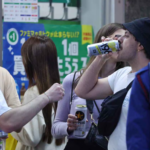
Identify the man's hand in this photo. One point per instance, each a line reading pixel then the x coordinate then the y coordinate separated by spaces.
pixel 55 92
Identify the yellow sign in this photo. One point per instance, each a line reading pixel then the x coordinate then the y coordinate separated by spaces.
pixel 87 34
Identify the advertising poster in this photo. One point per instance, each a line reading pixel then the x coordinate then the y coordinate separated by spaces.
pixel 71 42
pixel 20 10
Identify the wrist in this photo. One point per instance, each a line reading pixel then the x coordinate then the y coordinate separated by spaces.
pixel 99 63
pixel 47 97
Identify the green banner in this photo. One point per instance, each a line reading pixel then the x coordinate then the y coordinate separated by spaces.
pixel 71 42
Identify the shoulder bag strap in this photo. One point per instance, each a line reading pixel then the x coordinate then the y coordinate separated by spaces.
pixel 96 106
pixel 89 104
pixel 129 86
pixel 72 86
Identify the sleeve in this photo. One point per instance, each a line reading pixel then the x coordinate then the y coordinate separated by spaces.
pixel 3 105
pixel 10 92
pixel 31 133
pixel 111 80
pixel 59 127
pixel 138 122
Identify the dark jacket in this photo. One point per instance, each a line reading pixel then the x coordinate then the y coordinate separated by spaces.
pixel 138 123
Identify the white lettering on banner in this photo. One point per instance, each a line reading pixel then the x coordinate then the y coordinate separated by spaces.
pixel 73 49
pixel 67 65
pixel 75 61
pixel 22 41
pixel 60 61
pixel 24 79
pixel 18 65
pixel 71 65
pixel 64 43
pixel 84 60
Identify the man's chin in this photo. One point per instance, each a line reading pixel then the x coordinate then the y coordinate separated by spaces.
pixel 119 58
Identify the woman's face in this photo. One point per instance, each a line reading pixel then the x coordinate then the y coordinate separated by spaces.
pixel 115 35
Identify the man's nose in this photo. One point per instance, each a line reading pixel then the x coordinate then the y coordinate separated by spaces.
pixel 120 39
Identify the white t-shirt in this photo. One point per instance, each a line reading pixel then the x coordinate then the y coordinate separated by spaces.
pixel 118 81
pixel 3 105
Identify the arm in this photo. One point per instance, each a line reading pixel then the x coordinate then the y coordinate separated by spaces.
pixel 89 86
pixel 9 90
pixel 15 118
pixel 31 133
pixel 59 127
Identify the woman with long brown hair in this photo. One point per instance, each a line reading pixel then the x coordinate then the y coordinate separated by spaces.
pixel 39 56
pixel 65 120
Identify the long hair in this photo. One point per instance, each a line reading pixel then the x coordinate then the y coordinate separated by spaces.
pixel 39 56
pixel 105 31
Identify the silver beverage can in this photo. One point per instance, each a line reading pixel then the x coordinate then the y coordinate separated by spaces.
pixel 3 134
pixel 103 48
pixel 81 113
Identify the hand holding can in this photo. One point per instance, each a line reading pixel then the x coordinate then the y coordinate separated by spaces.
pixel 81 113
pixel 103 48
pixel 72 123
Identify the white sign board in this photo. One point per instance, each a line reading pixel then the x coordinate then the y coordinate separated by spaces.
pixel 20 10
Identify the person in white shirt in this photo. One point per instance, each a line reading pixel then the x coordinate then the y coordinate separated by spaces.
pixel 134 49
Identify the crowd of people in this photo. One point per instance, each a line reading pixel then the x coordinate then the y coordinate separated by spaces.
pixel 47 117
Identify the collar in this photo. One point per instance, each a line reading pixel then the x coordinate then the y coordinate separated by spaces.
pixel 143 69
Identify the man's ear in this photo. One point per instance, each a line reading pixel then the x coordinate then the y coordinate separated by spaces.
pixel 140 47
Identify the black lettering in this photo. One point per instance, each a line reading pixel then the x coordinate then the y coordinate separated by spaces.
pixel 104 47
pixel 94 51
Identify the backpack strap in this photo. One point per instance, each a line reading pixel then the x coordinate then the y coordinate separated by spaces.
pixel 143 87
pixel 72 86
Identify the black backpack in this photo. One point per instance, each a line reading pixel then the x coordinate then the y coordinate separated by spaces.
pixel 110 112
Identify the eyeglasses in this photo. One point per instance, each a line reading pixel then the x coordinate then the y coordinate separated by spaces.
pixel 117 36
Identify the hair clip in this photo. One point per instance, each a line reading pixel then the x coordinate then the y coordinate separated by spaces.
pixel 41 37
